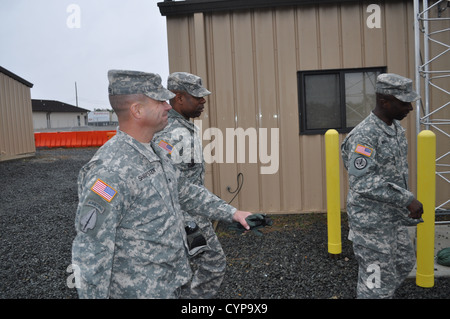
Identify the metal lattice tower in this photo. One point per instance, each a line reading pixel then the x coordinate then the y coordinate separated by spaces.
pixel 432 56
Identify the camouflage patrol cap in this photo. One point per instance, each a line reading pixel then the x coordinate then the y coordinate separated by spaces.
pixel 182 81
pixel 396 85
pixel 122 82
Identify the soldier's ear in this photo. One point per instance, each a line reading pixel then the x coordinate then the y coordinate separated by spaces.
pixel 384 102
pixel 179 97
pixel 135 110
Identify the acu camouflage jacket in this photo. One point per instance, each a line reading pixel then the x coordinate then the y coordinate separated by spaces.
pixel 130 240
pixel 375 156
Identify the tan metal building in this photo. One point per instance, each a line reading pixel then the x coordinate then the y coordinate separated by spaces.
pixel 299 67
pixel 16 123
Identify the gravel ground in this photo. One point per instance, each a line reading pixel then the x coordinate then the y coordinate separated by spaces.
pixel 38 199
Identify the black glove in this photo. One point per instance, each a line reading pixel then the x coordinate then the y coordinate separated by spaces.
pixel 255 221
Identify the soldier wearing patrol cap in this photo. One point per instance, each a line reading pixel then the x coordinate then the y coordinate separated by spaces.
pixel 186 152
pixel 379 204
pixel 131 241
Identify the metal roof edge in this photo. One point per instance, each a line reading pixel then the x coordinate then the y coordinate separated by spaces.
pixel 39 105
pixel 170 8
pixel 15 77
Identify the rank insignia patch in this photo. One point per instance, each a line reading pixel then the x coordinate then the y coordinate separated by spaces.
pixel 103 190
pixel 366 151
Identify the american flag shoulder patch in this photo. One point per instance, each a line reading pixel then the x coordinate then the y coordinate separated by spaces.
pixel 363 150
pixel 165 146
pixel 103 190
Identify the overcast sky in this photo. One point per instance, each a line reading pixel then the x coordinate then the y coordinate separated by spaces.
pixel 55 43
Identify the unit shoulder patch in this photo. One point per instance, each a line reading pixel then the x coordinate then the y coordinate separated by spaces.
pixel 89 220
pixel 360 163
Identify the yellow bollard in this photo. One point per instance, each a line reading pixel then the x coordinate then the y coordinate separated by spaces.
pixel 333 192
pixel 426 194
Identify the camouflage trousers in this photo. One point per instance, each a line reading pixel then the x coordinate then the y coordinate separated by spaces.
pixel 208 267
pixel 380 274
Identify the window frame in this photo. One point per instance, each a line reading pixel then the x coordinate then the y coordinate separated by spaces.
pixel 342 105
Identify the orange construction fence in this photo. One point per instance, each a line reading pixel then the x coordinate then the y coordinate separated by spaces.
pixel 72 139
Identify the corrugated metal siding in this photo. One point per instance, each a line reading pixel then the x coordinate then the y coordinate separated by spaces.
pixel 16 124
pixel 249 59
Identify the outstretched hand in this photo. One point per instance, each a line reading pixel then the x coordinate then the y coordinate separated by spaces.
pixel 240 216
pixel 254 223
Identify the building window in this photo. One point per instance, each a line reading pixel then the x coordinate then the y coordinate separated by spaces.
pixel 335 99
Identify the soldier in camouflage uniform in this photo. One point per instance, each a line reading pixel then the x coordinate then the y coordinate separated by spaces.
pixel 131 241
pixel 379 204
pixel 186 151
